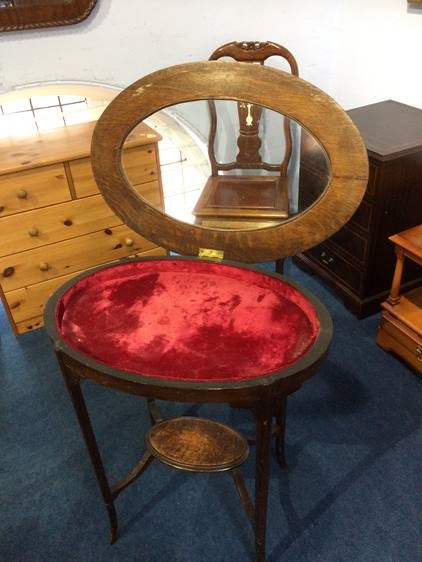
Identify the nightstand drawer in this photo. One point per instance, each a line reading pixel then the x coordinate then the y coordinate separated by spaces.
pixel 29 189
pixel 53 224
pixel 372 180
pixel 83 252
pixel 395 336
pixel 391 132
pixel 139 164
pixel 363 216
pixel 353 244
pixel 336 265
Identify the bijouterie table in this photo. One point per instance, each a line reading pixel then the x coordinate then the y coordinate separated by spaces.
pixel 195 329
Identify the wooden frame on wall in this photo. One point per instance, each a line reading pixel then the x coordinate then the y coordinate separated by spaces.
pixel 21 14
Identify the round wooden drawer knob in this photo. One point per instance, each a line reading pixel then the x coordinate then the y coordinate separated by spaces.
pixel 44 266
pixel 22 194
pixel 33 231
pixel 129 242
pixel 8 272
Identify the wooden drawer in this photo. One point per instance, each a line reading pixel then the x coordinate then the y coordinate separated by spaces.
pixel 53 221
pixel 139 164
pixel 22 191
pixel 151 192
pixel 28 302
pixel 53 224
pixel 351 243
pixel 394 336
pixel 83 252
pixel 363 216
pixel 26 305
pixel 372 180
pixel 336 265
pixel 83 177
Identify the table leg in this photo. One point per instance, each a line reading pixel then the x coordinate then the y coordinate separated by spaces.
pixel 279 266
pixel 263 413
pixel 78 401
pixel 280 416
pixel 154 413
pixel 394 296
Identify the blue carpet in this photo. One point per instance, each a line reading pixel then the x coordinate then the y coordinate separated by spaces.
pixel 352 491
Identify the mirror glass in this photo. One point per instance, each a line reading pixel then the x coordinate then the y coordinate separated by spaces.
pixel 227 164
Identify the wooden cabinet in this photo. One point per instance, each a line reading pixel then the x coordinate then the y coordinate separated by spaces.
pixel 358 261
pixel 400 329
pixel 53 221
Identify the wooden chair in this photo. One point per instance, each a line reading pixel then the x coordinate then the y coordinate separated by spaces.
pixel 230 200
pixel 245 201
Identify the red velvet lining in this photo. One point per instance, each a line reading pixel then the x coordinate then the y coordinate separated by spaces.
pixel 189 320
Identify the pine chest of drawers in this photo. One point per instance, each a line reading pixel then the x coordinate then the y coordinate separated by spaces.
pixel 53 221
pixel 358 261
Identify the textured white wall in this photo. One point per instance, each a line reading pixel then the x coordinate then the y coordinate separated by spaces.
pixel 358 51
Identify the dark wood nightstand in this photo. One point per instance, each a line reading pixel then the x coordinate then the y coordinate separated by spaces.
pixel 358 261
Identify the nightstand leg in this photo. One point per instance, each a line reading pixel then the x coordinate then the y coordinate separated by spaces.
pixel 394 295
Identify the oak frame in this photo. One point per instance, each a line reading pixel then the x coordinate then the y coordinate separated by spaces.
pixel 271 88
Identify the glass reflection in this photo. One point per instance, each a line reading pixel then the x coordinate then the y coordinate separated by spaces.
pixel 231 165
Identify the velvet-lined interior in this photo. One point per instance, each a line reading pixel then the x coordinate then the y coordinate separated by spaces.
pixel 189 320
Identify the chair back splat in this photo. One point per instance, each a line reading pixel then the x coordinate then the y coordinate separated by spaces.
pixel 230 195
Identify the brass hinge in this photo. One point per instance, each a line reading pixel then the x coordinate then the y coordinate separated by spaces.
pixel 210 254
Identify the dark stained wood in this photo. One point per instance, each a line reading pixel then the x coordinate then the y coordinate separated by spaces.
pixel 249 141
pixel 262 478
pixel 263 394
pixel 255 51
pixel 280 418
pixel 240 196
pixel 259 85
pixel 256 198
pixel 133 475
pixel 197 445
pixel 75 393
pixel 358 261
pixel 333 130
pixel 243 494
pixel 390 129
pixel 27 14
